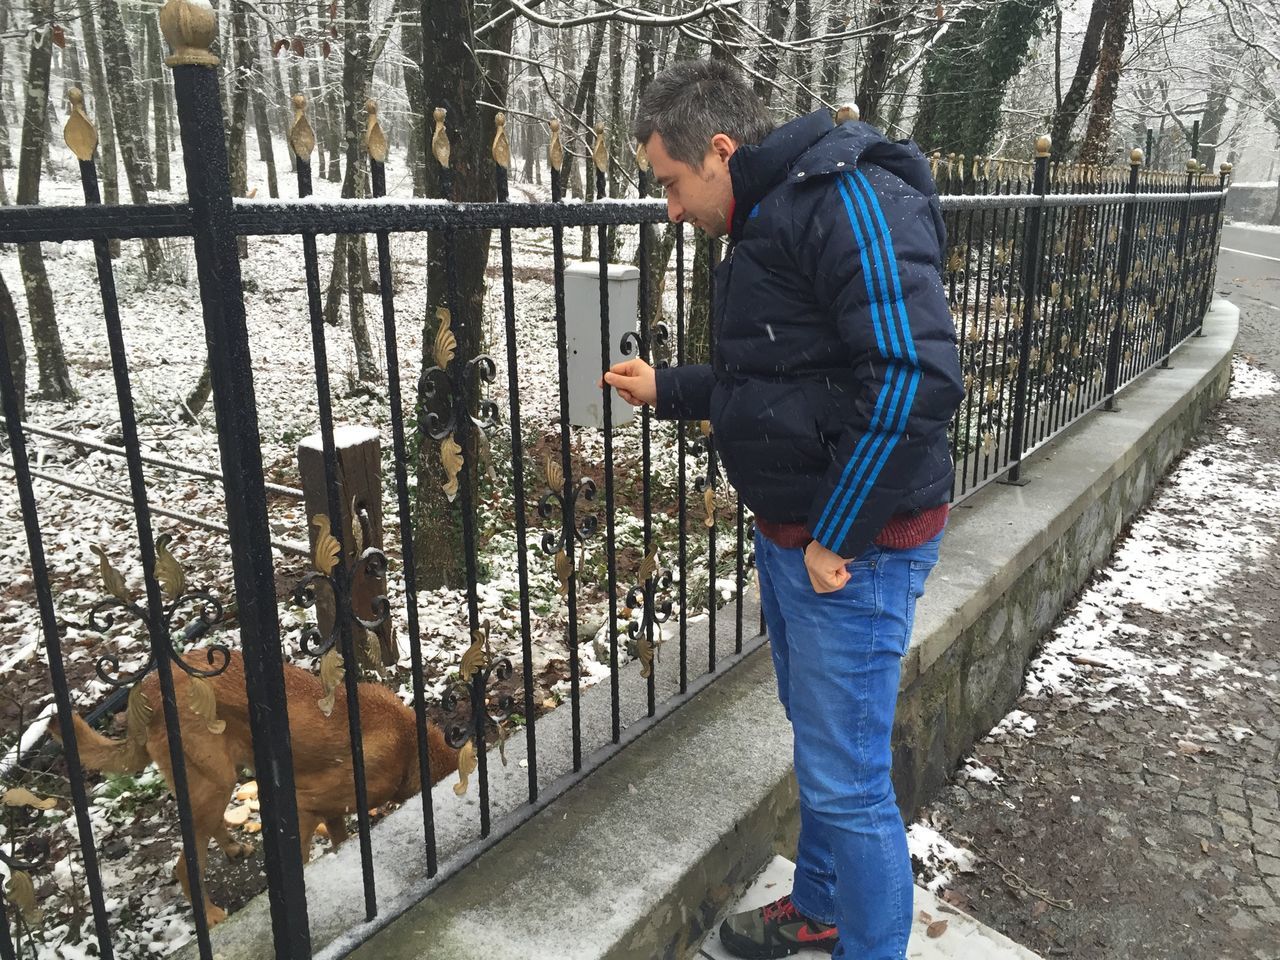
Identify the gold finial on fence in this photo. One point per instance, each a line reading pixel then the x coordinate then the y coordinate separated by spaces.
pixel 1225 169
pixel 642 157
pixel 1136 156
pixel 934 159
pixel 440 139
pixel 555 150
pixel 302 139
pixel 977 166
pixel 501 146
pixel 79 132
pixel 1193 165
pixel 189 27
pixel 960 168
pixel 847 112
pixel 375 141
pixel 1044 144
pixel 600 152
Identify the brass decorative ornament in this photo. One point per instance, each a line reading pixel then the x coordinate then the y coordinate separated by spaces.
pixel 440 139
pixel 600 152
pixel 375 141
pixel 79 132
pixel 501 146
pixel 302 139
pixel 189 27
pixel 555 150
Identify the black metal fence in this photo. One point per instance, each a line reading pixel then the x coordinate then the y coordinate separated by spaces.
pixel 1066 283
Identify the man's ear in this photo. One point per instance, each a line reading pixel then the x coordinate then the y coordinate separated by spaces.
pixel 723 146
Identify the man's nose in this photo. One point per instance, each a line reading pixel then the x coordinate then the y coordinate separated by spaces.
pixel 675 212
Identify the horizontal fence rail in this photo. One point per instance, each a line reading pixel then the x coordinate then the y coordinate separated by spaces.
pixel 622 542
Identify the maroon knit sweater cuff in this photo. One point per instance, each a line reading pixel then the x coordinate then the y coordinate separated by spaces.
pixel 902 532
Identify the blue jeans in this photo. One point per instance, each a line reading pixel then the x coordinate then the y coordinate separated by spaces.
pixel 838 659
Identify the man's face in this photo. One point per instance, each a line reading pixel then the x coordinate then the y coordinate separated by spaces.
pixel 698 197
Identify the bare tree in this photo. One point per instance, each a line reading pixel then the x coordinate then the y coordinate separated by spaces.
pixel 11 329
pixel 1096 145
pixel 55 378
pixel 128 122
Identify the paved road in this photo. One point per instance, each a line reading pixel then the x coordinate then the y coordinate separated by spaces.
pixel 1144 821
pixel 1249 276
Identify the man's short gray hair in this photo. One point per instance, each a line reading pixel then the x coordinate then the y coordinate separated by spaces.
pixel 691 101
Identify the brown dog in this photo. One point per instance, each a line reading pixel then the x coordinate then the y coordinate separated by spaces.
pixel 322 773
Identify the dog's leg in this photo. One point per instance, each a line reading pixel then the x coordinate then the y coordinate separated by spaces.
pixel 208 804
pixel 307 823
pixel 337 827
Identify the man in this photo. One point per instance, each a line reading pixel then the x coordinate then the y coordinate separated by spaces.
pixel 834 377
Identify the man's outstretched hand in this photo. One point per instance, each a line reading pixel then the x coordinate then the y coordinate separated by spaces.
pixel 634 380
pixel 827 570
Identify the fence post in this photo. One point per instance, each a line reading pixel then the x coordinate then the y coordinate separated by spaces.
pixel 359 453
pixel 190 28
pixel 1032 237
pixel 1115 349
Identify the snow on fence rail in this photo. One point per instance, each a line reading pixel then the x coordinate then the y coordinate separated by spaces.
pixel 1066 283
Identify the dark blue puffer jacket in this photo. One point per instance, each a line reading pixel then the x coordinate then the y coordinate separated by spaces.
pixel 835 371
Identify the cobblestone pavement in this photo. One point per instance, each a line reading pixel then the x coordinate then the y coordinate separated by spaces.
pixel 1129 807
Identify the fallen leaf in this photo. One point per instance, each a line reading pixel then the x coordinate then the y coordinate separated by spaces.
pixel 1039 908
pixel 248 792
pixel 236 816
pixel 1204 846
pixel 253 826
pixel 936 929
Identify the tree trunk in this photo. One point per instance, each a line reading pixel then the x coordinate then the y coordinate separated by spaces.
pixel 1064 117
pixel 802 69
pixel 12 332
pixel 775 26
pixel 319 119
pixel 237 147
pixel 55 378
pixel 6 149
pixel 159 99
pixel 261 114
pixel 124 107
pixel 198 396
pixel 878 60
pixel 453 79
pixel 984 53
pixel 831 62
pixel 347 274
pixel 419 132
pixel 1215 114
pixel 1097 138
pixel 103 115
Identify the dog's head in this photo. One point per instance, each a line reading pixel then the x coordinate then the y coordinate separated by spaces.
pixel 443 760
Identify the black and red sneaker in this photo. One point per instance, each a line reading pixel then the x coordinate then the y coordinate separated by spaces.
pixel 777 929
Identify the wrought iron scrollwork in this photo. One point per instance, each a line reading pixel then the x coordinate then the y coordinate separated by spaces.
pixel 207 609
pixel 444 391
pixel 709 483
pixel 371 565
pixel 477 669
pixel 555 542
pixel 652 582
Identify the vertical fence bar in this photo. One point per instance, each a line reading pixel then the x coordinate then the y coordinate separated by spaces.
pixel 600 157
pixel 1030 303
pixel 338 576
pixel 682 508
pixel 710 490
pixel 501 162
pixel 190 29
pixel 376 146
pixel 647 338
pixel 1115 350
pixel 161 645
pixel 568 492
